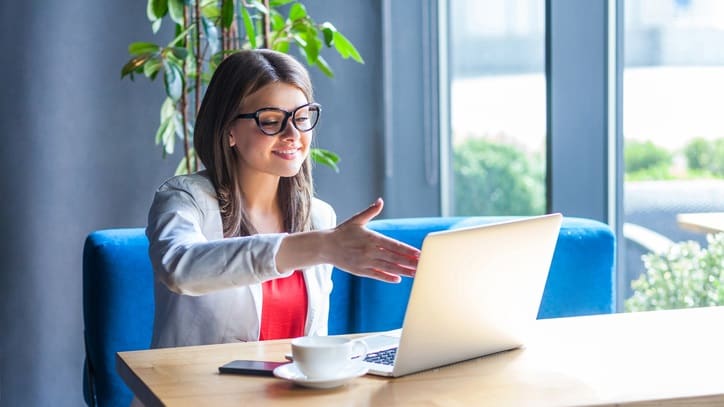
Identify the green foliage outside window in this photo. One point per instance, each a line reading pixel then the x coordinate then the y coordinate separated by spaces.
pixel 497 179
pixel 685 276
pixel 645 160
pixel 706 157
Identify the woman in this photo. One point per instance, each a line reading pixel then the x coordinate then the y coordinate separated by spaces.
pixel 242 251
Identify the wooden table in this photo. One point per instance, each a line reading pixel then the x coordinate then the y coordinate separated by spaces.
pixel 649 358
pixel 704 222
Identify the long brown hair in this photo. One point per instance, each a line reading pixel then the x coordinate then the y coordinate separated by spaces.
pixel 238 76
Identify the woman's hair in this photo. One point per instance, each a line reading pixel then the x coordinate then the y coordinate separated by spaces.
pixel 238 76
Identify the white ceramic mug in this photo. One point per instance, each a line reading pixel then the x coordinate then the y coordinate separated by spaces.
pixel 323 357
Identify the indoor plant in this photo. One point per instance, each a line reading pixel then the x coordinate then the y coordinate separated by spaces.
pixel 206 31
pixel 685 276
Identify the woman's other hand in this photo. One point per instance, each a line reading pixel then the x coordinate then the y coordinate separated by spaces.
pixel 363 252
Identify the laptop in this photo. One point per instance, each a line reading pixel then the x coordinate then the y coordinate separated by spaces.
pixel 476 292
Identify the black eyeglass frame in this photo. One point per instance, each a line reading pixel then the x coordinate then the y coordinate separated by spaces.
pixel 287 115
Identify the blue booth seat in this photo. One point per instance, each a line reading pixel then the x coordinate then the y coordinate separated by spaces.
pixel 118 291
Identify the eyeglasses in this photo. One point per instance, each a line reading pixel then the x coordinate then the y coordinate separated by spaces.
pixel 272 121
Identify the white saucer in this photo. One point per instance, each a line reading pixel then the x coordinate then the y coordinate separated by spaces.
pixel 291 372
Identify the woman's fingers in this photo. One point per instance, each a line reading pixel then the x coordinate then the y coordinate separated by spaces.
pixel 366 253
pixel 363 217
pixel 376 274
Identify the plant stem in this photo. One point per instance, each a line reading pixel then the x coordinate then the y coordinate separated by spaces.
pixel 184 103
pixel 199 68
pixel 266 18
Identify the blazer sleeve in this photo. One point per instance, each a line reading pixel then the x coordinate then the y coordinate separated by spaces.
pixel 324 217
pixel 188 262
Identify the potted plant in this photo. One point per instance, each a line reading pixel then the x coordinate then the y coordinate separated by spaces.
pixel 685 276
pixel 205 32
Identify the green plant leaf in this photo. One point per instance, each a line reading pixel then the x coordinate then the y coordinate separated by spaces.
pixel 297 11
pixel 249 27
pixel 212 35
pixel 325 157
pixel 259 6
pixel 156 9
pixel 134 64
pixel 173 80
pixel 137 48
pixel 156 25
pixel 279 3
pixel 181 168
pixel 176 11
pixel 152 66
pixel 324 67
pixel 314 46
pixel 168 107
pixel 345 48
pixel 300 41
pixel 178 123
pixel 227 13
pixel 281 45
pixel 277 22
pixel 210 8
pixel 167 129
pixel 179 52
pixel 180 36
pixel 167 138
pixel 161 130
pixel 328 31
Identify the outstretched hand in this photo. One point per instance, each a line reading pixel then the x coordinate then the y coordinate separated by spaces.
pixel 366 253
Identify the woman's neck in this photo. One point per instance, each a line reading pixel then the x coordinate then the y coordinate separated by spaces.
pixel 261 202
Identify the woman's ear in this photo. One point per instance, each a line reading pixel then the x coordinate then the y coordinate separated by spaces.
pixel 232 142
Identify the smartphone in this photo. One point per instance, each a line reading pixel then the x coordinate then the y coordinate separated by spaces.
pixel 251 367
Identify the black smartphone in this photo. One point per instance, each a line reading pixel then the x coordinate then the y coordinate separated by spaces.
pixel 251 367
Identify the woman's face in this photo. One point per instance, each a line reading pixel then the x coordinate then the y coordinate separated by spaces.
pixel 280 155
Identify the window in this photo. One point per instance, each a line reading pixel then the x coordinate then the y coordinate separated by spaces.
pixel 673 127
pixel 497 107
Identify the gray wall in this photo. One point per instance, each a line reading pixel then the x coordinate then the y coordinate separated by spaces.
pixel 78 155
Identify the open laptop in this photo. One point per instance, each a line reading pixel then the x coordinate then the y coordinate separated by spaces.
pixel 476 291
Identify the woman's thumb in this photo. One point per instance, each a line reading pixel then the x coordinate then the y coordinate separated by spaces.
pixel 368 214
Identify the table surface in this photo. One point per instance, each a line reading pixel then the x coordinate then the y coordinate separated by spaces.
pixel 649 358
pixel 704 222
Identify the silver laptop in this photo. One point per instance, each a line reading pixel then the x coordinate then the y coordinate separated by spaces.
pixel 476 291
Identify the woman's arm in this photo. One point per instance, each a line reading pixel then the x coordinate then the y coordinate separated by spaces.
pixel 188 261
pixel 351 247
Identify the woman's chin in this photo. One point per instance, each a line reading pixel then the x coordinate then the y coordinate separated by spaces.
pixel 289 171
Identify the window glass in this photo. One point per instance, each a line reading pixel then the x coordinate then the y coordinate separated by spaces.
pixel 673 129
pixel 497 107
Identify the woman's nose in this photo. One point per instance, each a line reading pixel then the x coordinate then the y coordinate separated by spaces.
pixel 289 130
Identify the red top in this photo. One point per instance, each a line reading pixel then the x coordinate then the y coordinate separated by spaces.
pixel 284 307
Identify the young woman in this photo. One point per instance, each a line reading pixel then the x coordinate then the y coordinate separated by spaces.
pixel 242 251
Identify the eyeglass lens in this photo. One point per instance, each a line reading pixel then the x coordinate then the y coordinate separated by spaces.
pixel 273 121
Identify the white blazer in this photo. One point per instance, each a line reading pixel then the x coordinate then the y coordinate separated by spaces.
pixel 208 288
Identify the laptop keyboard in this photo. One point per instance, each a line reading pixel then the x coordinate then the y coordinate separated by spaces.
pixel 383 357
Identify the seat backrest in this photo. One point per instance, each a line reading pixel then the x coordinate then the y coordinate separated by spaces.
pixel 118 302
pixel 118 309
pixel 581 280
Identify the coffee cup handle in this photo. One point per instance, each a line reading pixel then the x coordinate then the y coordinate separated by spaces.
pixel 359 349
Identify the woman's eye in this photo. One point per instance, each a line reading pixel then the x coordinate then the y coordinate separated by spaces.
pixel 302 119
pixel 269 122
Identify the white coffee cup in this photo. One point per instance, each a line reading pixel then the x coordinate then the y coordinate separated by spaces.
pixel 322 357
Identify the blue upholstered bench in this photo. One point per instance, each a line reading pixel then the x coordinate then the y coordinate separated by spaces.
pixel 118 291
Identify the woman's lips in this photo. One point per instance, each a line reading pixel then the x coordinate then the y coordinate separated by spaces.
pixel 287 154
